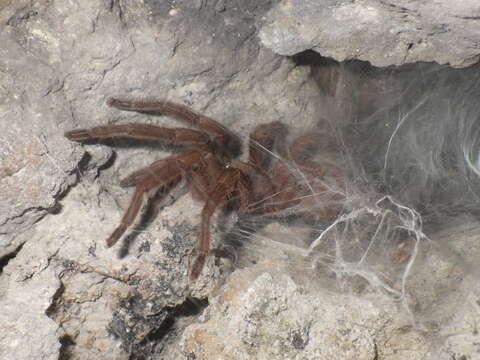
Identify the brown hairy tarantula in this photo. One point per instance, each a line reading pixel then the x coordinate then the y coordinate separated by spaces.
pixel 213 175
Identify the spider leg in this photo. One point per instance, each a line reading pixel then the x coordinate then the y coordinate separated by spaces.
pixel 284 189
pixel 316 189
pixel 262 186
pixel 262 142
pixel 302 185
pixel 299 181
pixel 129 215
pixel 301 152
pixel 153 170
pixel 281 200
pixel 202 178
pixel 230 182
pixel 141 193
pixel 306 146
pixel 161 174
pixel 140 131
pixel 182 113
pixel 168 168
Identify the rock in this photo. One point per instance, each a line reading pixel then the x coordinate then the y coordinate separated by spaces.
pixel 263 314
pixel 36 167
pixel 381 32
pixel 61 61
pixel 27 332
pixel 64 295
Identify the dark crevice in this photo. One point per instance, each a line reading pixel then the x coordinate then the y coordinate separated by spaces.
pixel 6 258
pixel 56 302
pixel 154 343
pixel 83 163
pixel 190 307
pixel 79 170
pixel 21 16
pixel 66 343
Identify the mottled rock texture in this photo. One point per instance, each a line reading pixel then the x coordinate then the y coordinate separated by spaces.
pixel 382 32
pixel 265 315
pixel 59 62
pixel 63 295
pixel 27 333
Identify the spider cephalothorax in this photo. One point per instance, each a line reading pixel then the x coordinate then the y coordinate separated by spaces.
pixel 255 187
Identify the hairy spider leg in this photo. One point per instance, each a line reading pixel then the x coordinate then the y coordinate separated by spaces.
pixel 159 170
pixel 262 141
pixel 151 179
pixel 140 175
pixel 164 173
pixel 322 197
pixel 222 135
pixel 140 131
pixel 129 215
pixel 238 180
pixel 289 188
pixel 230 184
pixel 304 147
pixel 262 186
pixel 305 179
pixel 203 178
pixel 265 143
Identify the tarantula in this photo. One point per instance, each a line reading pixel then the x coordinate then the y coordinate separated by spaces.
pixel 213 175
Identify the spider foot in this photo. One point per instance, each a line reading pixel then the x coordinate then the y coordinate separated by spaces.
pixel 117 103
pixel 78 135
pixel 197 266
pixel 116 235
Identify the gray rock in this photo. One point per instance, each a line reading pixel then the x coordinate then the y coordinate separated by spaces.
pixel 272 310
pixel 61 61
pixel 64 295
pixel 35 165
pixel 27 332
pixel 263 314
pixel 380 32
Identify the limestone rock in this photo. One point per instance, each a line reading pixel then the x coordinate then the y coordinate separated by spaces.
pixel 381 32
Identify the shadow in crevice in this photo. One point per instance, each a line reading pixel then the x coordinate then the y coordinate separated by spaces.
pixel 4 260
pixel 66 344
pixel 164 197
pixel 411 131
pixel 153 344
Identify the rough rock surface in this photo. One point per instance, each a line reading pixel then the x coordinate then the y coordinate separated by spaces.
pixel 265 315
pixel 34 170
pixel 59 63
pixel 25 298
pixel 64 295
pixel 382 32
pixel 270 311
